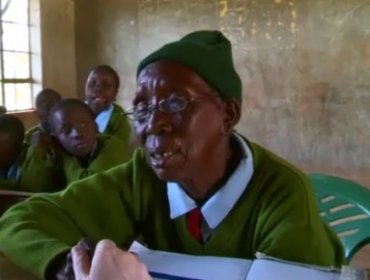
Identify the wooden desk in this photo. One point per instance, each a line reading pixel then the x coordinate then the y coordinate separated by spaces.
pixel 9 198
pixel 9 271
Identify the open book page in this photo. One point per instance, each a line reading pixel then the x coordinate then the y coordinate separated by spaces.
pixel 173 266
pixel 267 269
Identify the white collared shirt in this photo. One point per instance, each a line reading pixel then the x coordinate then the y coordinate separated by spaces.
pixel 220 204
pixel 103 118
pixel 13 173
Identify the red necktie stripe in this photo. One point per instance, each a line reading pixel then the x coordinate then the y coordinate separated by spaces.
pixel 194 222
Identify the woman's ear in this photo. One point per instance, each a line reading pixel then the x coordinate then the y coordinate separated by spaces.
pixel 232 112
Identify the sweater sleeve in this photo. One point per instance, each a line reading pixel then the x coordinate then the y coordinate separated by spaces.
pixel 113 153
pixel 34 232
pixel 40 170
pixel 291 227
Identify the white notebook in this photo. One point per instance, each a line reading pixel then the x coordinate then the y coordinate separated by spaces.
pixel 173 266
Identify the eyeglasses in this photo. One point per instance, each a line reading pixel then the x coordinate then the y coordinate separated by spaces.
pixel 171 105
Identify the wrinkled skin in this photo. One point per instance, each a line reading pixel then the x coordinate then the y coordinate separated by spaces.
pixel 191 147
pixel 101 90
pixel 108 262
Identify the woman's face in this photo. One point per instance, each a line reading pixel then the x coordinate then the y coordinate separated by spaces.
pixel 177 144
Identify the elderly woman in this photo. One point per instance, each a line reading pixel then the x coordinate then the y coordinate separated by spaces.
pixel 195 187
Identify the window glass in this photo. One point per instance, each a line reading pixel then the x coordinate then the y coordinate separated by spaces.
pixel 18 96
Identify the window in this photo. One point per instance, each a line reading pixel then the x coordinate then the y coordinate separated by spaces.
pixel 16 82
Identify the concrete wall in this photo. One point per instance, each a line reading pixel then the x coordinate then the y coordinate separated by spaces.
pixel 58 46
pixel 53 50
pixel 106 33
pixel 304 65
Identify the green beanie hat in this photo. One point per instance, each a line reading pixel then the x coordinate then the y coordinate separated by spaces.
pixel 208 53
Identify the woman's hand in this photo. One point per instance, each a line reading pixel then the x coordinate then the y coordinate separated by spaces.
pixel 108 263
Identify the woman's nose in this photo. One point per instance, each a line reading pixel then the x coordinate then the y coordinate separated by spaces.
pixel 158 122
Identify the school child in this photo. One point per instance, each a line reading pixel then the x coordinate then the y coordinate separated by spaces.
pixel 45 99
pixel 84 151
pixel 24 167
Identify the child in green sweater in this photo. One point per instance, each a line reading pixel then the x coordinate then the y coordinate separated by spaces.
pixel 196 186
pixel 22 167
pixel 101 90
pixel 45 100
pixel 83 151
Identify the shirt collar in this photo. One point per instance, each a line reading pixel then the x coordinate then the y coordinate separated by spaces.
pixel 103 118
pixel 220 204
pixel 13 173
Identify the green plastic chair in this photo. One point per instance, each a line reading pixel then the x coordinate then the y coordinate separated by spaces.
pixel 345 207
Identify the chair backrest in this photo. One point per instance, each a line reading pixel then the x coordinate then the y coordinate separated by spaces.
pixel 345 207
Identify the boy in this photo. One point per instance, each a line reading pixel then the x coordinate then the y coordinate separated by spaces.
pixel 100 93
pixel 45 99
pixel 84 151
pixel 23 167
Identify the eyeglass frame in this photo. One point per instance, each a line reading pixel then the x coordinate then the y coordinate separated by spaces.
pixel 152 107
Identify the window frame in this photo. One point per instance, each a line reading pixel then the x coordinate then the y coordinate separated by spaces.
pixel 14 81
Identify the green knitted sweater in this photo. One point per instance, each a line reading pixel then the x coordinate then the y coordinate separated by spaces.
pixel 119 125
pixel 277 215
pixel 29 132
pixel 110 152
pixel 40 171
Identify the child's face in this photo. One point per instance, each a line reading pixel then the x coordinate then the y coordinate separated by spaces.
pixel 75 130
pixel 8 153
pixel 101 90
